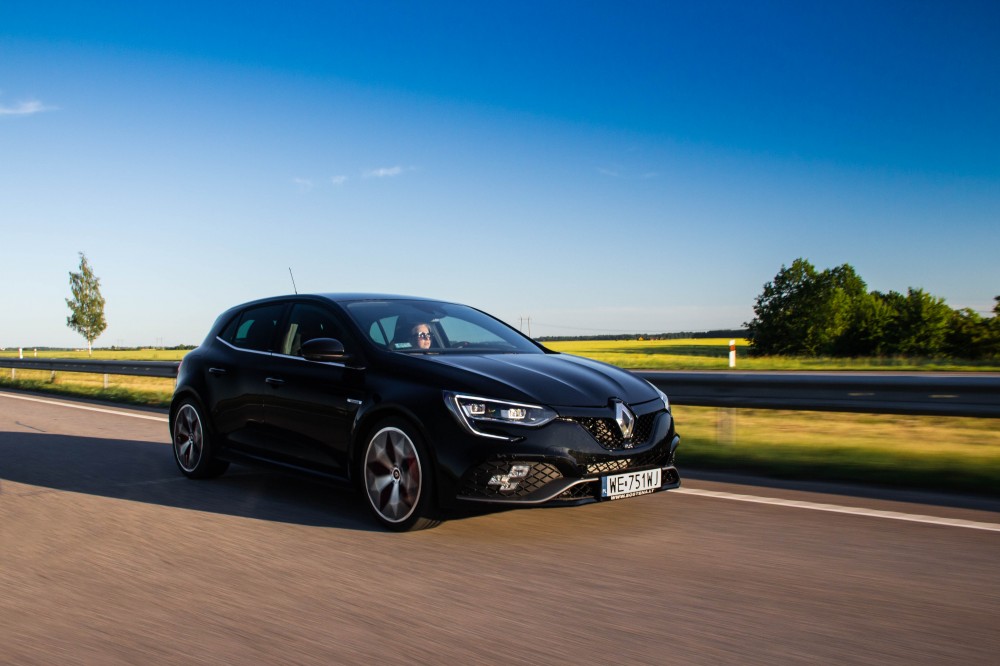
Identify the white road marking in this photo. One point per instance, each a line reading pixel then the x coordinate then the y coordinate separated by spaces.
pixel 102 410
pixel 834 508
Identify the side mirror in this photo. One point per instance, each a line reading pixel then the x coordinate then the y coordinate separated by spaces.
pixel 324 349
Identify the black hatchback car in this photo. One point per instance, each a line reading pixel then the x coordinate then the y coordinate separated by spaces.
pixel 424 405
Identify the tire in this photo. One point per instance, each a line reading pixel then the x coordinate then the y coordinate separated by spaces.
pixel 397 478
pixel 193 445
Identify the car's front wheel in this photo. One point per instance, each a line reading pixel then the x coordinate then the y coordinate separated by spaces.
pixel 193 446
pixel 397 477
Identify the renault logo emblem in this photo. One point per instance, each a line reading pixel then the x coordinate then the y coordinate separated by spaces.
pixel 624 418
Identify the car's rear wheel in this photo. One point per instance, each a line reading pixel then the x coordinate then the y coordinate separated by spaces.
pixel 397 477
pixel 193 446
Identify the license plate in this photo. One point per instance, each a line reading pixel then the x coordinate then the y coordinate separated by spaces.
pixel 630 484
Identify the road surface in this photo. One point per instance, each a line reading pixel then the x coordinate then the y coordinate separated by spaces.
pixel 108 555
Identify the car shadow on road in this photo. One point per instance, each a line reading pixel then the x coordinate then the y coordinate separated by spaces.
pixel 145 472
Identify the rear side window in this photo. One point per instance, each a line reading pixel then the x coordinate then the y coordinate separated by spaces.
pixel 254 328
pixel 307 322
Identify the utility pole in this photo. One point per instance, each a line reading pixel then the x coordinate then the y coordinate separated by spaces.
pixel 520 325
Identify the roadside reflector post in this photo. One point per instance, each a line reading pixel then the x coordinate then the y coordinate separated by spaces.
pixel 105 381
pixel 725 427
pixel 20 352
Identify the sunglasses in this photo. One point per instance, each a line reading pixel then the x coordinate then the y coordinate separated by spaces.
pixel 422 336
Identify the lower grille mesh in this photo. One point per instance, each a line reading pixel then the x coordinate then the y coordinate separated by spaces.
pixel 477 483
pixel 658 457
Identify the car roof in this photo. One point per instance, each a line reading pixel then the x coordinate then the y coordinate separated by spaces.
pixel 343 297
pixel 361 296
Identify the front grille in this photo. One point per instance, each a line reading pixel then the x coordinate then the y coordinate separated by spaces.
pixel 607 434
pixel 610 466
pixel 658 457
pixel 581 491
pixel 477 482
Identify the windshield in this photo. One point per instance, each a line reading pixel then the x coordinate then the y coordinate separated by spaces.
pixel 412 326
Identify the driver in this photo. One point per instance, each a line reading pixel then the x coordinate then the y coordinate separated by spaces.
pixel 420 336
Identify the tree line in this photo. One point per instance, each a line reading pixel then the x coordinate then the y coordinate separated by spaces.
pixel 806 312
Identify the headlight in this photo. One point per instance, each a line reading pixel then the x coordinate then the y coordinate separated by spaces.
pixel 475 412
pixel 663 396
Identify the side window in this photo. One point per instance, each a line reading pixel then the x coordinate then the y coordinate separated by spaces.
pixel 306 322
pixel 380 331
pixel 462 332
pixel 377 334
pixel 254 328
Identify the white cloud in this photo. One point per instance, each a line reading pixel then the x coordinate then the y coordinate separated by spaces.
pixel 384 172
pixel 304 184
pixel 26 108
pixel 338 180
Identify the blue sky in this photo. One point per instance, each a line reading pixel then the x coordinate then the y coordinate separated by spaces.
pixel 595 166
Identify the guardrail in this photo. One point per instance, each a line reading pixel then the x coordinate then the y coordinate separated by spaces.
pixel 876 393
pixel 133 368
pixel 926 394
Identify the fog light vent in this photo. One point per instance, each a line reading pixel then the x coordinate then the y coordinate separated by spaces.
pixel 508 482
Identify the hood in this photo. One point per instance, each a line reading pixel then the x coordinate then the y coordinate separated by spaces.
pixel 554 379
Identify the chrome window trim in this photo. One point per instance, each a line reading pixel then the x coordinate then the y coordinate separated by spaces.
pixel 243 349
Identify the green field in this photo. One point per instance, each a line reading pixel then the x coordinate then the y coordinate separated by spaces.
pixel 934 453
pixel 713 354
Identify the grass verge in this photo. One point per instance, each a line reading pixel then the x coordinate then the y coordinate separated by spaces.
pixel 140 391
pixel 946 454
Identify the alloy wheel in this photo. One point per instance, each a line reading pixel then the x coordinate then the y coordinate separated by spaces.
pixel 393 475
pixel 189 438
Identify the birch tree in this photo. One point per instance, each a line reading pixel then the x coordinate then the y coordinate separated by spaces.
pixel 87 305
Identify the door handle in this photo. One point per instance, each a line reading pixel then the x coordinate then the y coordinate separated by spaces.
pixel 274 381
pixel 216 371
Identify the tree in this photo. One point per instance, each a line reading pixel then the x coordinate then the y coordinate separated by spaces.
pixel 871 316
pixel 921 325
pixel 87 305
pixel 991 341
pixel 830 313
pixel 993 346
pixel 968 334
pixel 807 312
pixel 777 326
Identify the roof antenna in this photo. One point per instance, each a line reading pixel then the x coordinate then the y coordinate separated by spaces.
pixel 294 288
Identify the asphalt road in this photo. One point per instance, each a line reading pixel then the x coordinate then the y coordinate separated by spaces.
pixel 108 555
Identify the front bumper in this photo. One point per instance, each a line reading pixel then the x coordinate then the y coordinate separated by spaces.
pixel 564 462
